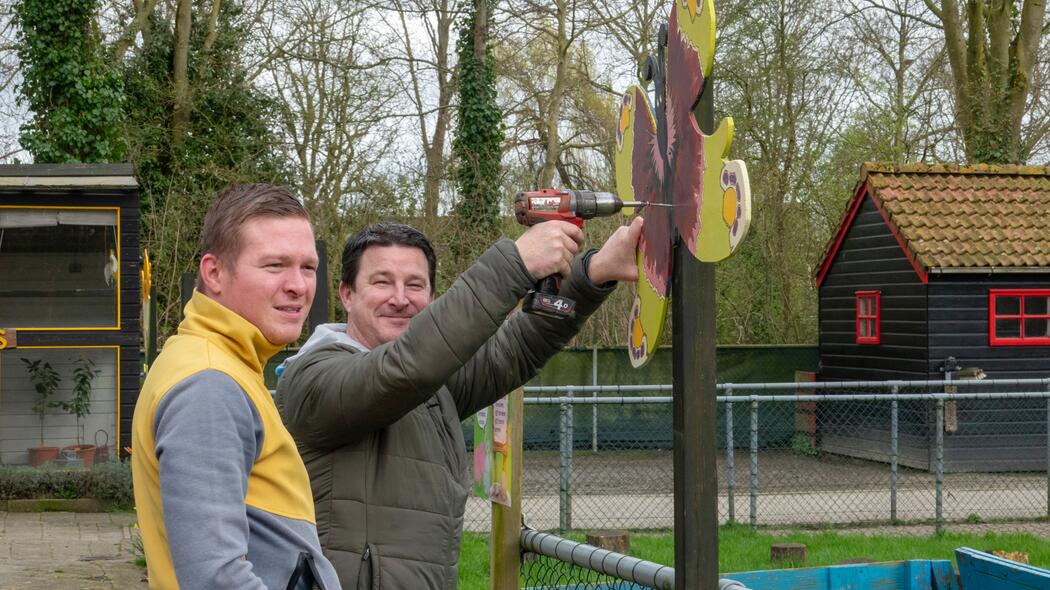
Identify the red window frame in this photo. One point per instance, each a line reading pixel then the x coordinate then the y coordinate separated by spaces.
pixel 871 317
pixel 1020 316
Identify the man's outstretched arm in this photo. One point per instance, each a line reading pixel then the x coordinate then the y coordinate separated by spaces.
pixel 525 343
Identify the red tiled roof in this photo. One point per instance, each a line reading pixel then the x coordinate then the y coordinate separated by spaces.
pixel 949 216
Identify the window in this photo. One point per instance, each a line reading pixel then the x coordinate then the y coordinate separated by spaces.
pixel 54 427
pixel 868 311
pixel 59 268
pixel 1019 317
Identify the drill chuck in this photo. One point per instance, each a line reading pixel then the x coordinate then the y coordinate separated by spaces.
pixel 591 204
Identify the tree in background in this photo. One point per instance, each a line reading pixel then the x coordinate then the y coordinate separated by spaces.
pixel 225 136
pixel 777 78
pixel 477 143
pixel 74 97
pixel 992 49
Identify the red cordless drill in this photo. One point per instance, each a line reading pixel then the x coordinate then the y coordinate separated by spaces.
pixel 551 204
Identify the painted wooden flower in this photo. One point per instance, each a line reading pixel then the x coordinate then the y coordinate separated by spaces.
pixel 681 169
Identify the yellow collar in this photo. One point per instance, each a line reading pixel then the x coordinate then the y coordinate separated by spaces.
pixel 216 323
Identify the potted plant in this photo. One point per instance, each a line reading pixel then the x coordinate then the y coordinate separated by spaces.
pixel 79 404
pixel 45 381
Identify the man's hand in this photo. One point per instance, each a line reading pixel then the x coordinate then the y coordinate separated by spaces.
pixel 616 260
pixel 548 248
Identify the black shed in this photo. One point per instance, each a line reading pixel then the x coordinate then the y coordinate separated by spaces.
pixel 932 262
pixel 70 297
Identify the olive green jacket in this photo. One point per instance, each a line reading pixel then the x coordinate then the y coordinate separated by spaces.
pixel 380 430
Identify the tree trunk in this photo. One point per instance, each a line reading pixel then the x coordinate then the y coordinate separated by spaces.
pixel 991 67
pixel 213 25
pixel 180 119
pixel 143 9
pixel 481 29
pixel 435 148
pixel 552 118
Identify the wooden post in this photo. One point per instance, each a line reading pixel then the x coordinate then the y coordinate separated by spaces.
pixel 319 309
pixel 695 424
pixel 504 545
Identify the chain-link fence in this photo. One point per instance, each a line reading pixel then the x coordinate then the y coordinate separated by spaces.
pixel 810 454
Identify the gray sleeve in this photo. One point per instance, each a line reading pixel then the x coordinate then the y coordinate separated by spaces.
pixel 208 436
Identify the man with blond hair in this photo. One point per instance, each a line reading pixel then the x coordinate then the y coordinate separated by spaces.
pixel 222 496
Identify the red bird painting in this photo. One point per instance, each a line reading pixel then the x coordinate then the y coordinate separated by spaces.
pixel 663 157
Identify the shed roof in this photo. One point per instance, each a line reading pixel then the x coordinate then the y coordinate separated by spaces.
pixel 958 217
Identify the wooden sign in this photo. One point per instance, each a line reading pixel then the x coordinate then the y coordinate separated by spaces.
pixel 8 338
pixel 662 156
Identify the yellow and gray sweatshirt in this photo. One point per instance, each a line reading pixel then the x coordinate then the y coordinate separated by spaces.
pixel 222 496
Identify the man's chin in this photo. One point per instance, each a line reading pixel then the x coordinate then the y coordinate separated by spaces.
pixel 392 332
pixel 285 335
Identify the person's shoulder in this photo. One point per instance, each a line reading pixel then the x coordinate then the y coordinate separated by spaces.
pixel 209 391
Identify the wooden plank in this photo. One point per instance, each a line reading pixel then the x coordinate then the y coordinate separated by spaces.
pixel 901 575
pixel 844 294
pixel 120 169
pixel 861 363
pixel 890 313
pixel 982 571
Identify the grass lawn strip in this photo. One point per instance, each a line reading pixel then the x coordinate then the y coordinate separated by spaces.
pixel 740 549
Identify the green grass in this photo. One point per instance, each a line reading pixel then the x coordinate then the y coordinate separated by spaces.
pixel 740 549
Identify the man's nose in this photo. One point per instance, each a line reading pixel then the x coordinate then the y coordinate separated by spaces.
pixel 400 296
pixel 297 282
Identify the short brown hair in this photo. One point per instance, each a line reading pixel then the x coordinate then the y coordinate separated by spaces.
pixel 235 206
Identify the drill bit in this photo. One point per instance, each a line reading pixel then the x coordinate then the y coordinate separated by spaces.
pixel 645 204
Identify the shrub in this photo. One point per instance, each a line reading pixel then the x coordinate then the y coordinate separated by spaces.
pixel 107 481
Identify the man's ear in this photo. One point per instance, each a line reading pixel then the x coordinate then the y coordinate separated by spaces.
pixel 345 295
pixel 210 274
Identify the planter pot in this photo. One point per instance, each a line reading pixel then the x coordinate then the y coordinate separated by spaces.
pixel 40 455
pixel 85 453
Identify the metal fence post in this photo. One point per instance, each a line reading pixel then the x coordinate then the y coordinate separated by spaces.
pixel 894 425
pixel 1048 448
pixel 939 468
pixel 565 464
pixel 729 457
pixel 594 406
pixel 754 465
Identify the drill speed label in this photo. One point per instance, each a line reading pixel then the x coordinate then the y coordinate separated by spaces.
pixel 546 203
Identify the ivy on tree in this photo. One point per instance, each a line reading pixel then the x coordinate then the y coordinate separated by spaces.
pixel 75 99
pixel 477 146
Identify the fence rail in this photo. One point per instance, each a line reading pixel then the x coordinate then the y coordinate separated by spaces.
pixel 587 560
pixel 856 452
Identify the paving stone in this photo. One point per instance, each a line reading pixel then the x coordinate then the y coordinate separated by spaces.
pixel 66 551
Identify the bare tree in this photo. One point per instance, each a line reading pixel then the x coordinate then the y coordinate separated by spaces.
pixel 778 76
pixel 426 68
pixel 333 99
pixel 992 49
pixel 897 66
pixel 544 61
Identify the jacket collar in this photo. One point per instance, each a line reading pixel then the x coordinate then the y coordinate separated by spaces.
pixel 218 324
